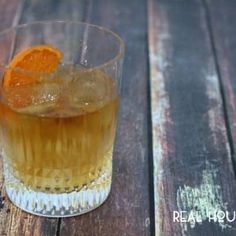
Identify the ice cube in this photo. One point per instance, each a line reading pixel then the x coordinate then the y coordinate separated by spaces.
pixel 21 97
pixel 46 93
pixel 90 86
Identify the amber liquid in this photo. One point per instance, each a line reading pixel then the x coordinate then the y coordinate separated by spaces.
pixel 63 141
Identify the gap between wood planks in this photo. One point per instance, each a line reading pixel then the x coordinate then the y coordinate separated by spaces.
pixel 215 116
pixel 220 79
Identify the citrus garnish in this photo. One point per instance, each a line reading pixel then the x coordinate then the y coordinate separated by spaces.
pixel 36 59
pixel 25 69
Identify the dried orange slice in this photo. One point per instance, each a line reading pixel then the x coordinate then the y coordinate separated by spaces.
pixel 28 63
pixel 25 69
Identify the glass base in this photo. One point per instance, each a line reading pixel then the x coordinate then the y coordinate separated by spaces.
pixel 56 204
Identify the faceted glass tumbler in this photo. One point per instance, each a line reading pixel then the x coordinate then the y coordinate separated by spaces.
pixel 57 134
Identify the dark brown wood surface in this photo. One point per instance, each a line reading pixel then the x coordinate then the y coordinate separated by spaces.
pixel 13 221
pixel 221 18
pixel 175 147
pixel 127 211
pixel 192 157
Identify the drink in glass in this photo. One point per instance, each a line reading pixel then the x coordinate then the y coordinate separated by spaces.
pixel 58 122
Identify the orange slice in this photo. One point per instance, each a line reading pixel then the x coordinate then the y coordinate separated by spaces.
pixel 28 63
pixel 24 70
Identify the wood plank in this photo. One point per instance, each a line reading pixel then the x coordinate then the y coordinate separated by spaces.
pixel 36 10
pixel 192 159
pixel 10 13
pixel 12 220
pixel 221 15
pixel 127 210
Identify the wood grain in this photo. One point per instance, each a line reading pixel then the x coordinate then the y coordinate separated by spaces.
pixel 192 159
pixel 126 212
pixel 10 13
pixel 36 10
pixel 13 221
pixel 221 16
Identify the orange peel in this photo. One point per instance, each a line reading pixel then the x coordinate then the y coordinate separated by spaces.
pixel 25 68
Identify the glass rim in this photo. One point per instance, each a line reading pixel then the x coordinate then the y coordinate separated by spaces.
pixel 120 41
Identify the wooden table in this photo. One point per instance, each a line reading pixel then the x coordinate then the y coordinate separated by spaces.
pixel 175 149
